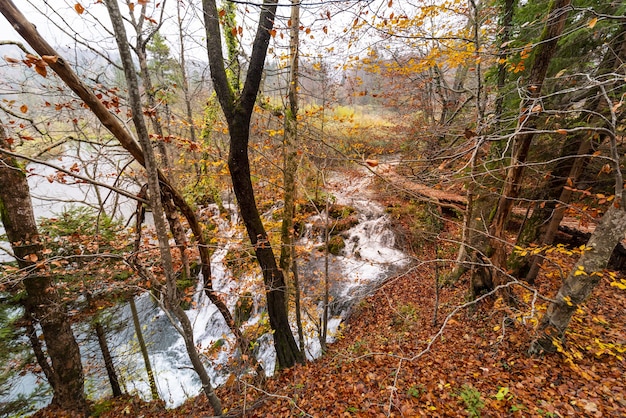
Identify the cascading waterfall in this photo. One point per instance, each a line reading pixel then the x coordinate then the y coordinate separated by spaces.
pixel 368 258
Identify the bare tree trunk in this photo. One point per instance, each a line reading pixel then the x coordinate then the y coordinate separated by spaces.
pixel 586 274
pixel 28 31
pixel 106 353
pixel 506 23
pixel 238 111
pixel 42 303
pixel 527 122
pixel 172 302
pixel 287 260
pixel 143 348
pixel 581 280
pixel 559 211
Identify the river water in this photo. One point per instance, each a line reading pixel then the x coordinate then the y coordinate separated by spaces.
pixel 368 258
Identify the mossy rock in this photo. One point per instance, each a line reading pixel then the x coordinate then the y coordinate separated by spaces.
pixel 341 211
pixel 344 224
pixel 335 244
pixel 243 310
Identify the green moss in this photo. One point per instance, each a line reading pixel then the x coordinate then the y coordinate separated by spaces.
pixel 335 244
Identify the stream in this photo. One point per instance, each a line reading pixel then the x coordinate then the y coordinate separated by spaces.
pixel 368 258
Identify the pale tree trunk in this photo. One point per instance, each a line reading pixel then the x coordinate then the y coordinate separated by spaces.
pixel 184 78
pixel 290 167
pixel 528 119
pixel 154 115
pixel 238 111
pixel 28 31
pixel 588 271
pixel 146 78
pixel 172 302
pixel 581 280
pixel 42 303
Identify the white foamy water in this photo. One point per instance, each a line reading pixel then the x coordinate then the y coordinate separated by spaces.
pixel 368 258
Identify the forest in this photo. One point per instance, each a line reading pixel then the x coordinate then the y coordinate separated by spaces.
pixel 300 208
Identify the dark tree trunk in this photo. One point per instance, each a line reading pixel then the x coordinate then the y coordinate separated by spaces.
pixel 238 112
pixel 108 359
pixel 65 373
pixel 104 349
pixel 143 348
pixel 528 118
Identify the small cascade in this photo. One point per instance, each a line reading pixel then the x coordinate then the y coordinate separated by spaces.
pixel 367 259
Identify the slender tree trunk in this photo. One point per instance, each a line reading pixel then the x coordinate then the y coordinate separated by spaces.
pixel 290 167
pixel 507 25
pixel 326 298
pixel 143 348
pixel 65 373
pixel 104 348
pixel 172 302
pixel 581 280
pixel 108 359
pixel 559 210
pixel 238 111
pixel 528 122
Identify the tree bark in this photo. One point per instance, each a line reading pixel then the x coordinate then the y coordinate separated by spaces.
pixel 527 123
pixel 28 31
pixel 238 111
pixel 43 304
pixel 143 348
pixel 581 280
pixel 172 302
pixel 287 260
pixel 104 348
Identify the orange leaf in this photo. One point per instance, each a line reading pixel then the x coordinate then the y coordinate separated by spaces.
pixel 24 108
pixel 273 33
pixel 32 257
pixel 562 131
pixel 593 22
pixel 50 59
pixel 41 70
pixel 11 60
pixel 79 8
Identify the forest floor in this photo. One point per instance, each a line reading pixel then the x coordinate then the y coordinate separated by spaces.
pixel 382 365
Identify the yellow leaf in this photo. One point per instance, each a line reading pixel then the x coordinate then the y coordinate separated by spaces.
pixel 593 22
pixel 79 8
pixel 620 285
